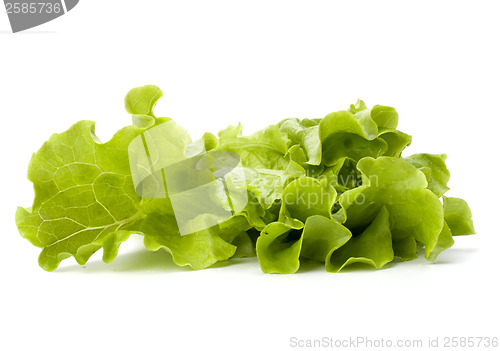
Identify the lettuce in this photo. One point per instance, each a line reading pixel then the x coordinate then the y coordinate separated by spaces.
pixel 333 190
pixel 373 246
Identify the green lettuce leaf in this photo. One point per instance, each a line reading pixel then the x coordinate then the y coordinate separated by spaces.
pixel 298 155
pixel 361 132
pixel 321 237
pixel 396 142
pixel 343 134
pixel 305 197
pixel 198 250
pixel 385 117
pixel 305 134
pixel 142 100
pixel 305 228
pixel 357 107
pixel 399 186
pixel 264 155
pixel 333 190
pixel 458 216
pixel 434 168
pixel 84 196
pixel 373 246
pixel 405 248
pixel 281 245
pixel 445 241
pixel 245 244
pixel 344 175
pixel 278 247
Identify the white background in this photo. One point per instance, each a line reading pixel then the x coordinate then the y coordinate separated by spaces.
pixel 257 62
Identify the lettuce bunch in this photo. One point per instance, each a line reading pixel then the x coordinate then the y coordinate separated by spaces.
pixel 334 190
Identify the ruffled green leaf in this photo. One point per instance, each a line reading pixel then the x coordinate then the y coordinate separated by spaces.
pixel 396 184
pixel 281 205
pixel 85 198
pixel 445 241
pixel 142 100
pixel 434 168
pixel 361 132
pixel 405 248
pixel 264 154
pixel 357 107
pixel 373 246
pixel 321 237
pixel 278 247
pixel 344 175
pixel 298 155
pixel 458 216
pixel 198 250
pixel 281 245
pixel 84 195
pixel 245 245
pixel 306 136
pixel 396 142
pixel 385 117
pixel 305 197
pixel 231 132
pixel 343 134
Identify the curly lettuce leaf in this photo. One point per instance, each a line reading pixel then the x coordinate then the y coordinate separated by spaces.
pixel 321 237
pixel 399 186
pixel 361 132
pixel 142 100
pixel 357 107
pixel 445 241
pixel 305 134
pixel 373 246
pixel 298 154
pixel 343 134
pixel 84 196
pixel 281 245
pixel 208 242
pixel 405 248
pixel 385 117
pixel 305 197
pixel 278 247
pixel 344 175
pixel 396 142
pixel 245 244
pixel 435 170
pixel 264 155
pixel 458 216
pixel 88 193
pixel 305 228
pixel 198 250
